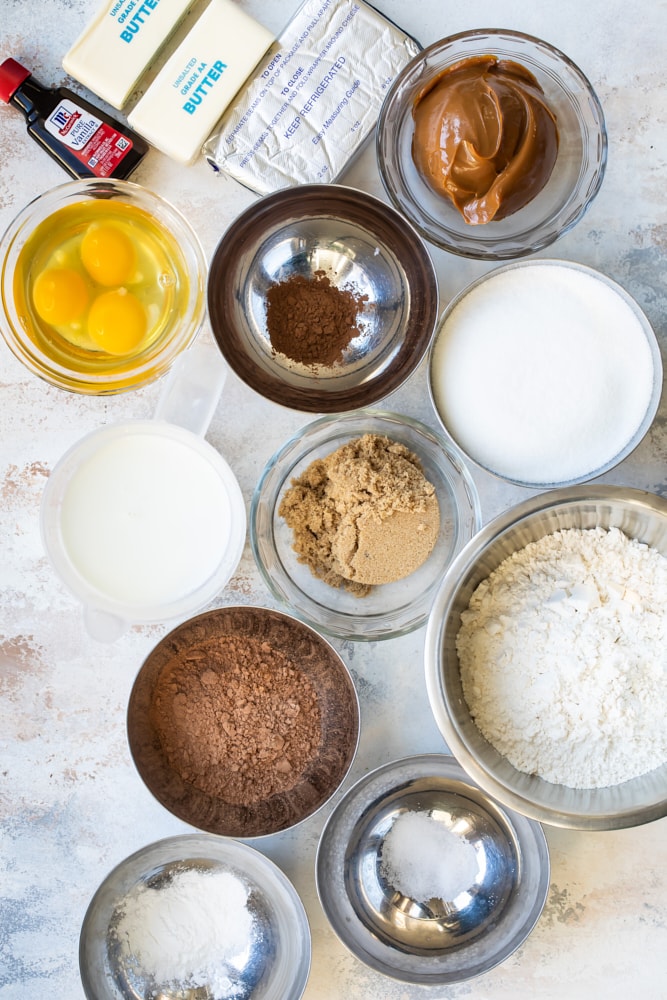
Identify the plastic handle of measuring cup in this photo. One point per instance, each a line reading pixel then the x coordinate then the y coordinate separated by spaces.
pixel 192 388
pixel 102 625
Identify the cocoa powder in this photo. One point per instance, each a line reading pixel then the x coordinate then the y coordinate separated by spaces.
pixel 236 720
pixel 310 320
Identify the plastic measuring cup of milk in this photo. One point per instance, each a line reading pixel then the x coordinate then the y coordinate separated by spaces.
pixel 144 521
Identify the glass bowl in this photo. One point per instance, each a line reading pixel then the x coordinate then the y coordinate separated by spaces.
pixel 273 965
pixel 80 366
pixel 560 387
pixel 360 244
pixel 574 181
pixel 390 609
pixel 639 515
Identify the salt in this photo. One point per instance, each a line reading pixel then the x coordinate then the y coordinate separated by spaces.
pixel 189 931
pixel 424 860
pixel 543 373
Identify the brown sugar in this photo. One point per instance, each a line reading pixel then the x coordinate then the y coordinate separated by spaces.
pixel 364 515
pixel 310 320
pixel 236 719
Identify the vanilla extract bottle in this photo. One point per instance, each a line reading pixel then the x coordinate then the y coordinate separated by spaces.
pixel 83 139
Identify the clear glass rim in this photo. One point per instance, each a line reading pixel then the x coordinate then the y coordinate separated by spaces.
pixel 340 624
pixel 146 370
pixel 476 245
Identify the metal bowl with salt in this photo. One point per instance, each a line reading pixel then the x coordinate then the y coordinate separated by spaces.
pixel 488 898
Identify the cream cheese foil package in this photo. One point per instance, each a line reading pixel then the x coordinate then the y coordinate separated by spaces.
pixel 313 100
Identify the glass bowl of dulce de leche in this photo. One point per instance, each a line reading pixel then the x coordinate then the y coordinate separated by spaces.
pixel 492 143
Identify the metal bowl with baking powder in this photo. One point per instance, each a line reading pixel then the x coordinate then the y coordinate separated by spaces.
pixel 275 963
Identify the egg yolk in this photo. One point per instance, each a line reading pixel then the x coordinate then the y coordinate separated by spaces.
pixel 117 321
pixel 108 255
pixel 60 295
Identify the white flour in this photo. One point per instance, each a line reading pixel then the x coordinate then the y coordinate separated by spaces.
pixel 189 931
pixel 563 655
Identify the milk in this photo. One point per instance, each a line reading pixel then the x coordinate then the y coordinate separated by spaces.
pixel 145 520
pixel 543 373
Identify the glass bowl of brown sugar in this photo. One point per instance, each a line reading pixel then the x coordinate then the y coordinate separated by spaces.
pixel 243 721
pixel 356 519
pixel 322 298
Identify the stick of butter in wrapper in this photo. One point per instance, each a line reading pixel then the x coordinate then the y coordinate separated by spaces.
pixel 314 98
pixel 113 51
pixel 196 84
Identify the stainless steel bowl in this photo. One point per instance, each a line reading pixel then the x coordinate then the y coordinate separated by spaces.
pixel 179 791
pixel 442 941
pixel 274 966
pixel 361 244
pixel 639 515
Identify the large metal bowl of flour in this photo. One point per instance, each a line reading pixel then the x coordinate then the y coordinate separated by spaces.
pixel 639 515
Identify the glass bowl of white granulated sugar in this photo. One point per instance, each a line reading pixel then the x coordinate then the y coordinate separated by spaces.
pixel 195 915
pixel 545 657
pixel 545 373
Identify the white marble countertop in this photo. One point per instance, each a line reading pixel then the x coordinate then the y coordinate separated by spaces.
pixel 71 804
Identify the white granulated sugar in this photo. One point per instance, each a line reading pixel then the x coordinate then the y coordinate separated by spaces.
pixel 424 860
pixel 189 931
pixel 563 657
pixel 542 373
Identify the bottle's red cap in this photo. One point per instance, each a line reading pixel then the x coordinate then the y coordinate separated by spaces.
pixel 12 75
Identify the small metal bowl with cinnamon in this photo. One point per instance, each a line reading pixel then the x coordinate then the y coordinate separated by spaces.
pixel 322 298
pixel 243 721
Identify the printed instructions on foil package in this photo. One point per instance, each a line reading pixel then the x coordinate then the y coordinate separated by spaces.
pixel 313 99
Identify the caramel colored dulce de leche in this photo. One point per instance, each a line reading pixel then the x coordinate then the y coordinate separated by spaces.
pixel 484 137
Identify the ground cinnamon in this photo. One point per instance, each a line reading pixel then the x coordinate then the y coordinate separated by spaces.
pixel 310 320
pixel 236 719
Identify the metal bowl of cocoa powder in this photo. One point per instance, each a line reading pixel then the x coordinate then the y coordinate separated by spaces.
pixel 243 721
pixel 322 298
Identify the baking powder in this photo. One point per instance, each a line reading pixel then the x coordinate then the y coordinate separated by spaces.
pixel 563 656
pixel 188 931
